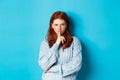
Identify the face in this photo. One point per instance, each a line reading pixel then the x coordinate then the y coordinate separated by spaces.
pixel 59 25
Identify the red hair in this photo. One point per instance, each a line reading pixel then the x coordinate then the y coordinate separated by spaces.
pixel 52 36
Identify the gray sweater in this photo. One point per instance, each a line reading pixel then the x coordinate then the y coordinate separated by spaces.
pixel 63 65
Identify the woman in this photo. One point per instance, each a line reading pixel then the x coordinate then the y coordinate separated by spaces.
pixel 60 54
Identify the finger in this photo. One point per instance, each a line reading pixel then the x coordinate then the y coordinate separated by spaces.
pixel 64 39
pixel 48 70
pixel 60 30
pixel 59 33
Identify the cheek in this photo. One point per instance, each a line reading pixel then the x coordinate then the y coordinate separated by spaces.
pixel 56 29
pixel 63 29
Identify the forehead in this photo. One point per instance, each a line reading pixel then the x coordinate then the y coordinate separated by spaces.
pixel 58 21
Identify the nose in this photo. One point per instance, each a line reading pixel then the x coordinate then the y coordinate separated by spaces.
pixel 59 27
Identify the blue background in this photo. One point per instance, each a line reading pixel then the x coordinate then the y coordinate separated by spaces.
pixel 24 24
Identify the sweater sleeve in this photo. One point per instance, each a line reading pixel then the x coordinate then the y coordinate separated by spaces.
pixel 72 66
pixel 47 56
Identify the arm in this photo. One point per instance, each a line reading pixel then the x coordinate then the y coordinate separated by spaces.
pixel 72 66
pixel 47 56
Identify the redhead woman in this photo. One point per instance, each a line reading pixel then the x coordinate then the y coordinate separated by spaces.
pixel 60 55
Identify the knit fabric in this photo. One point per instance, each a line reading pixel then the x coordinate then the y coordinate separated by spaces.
pixel 63 65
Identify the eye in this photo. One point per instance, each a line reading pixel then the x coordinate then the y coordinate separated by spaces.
pixel 63 24
pixel 55 24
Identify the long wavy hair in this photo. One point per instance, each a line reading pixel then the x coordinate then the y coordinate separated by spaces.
pixel 52 36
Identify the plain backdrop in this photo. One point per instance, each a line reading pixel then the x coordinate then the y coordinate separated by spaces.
pixel 24 24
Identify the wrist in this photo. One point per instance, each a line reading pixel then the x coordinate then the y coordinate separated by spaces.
pixel 57 43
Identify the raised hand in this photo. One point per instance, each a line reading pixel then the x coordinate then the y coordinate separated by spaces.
pixel 60 39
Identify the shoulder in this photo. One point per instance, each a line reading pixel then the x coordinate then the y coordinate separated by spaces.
pixel 44 42
pixel 76 42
